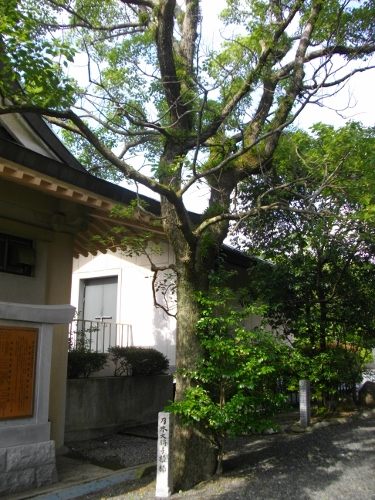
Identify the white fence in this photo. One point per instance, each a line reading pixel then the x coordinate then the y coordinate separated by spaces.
pixel 99 335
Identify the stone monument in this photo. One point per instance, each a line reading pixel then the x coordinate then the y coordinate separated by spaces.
pixel 27 455
pixel 164 467
pixel 304 402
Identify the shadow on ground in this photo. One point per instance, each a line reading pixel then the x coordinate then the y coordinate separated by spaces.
pixel 332 463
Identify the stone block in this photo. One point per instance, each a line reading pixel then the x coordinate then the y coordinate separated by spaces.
pixel 30 455
pixel 3 459
pixel 297 429
pixel 19 435
pixel 164 467
pixel 366 394
pixel 345 404
pixel 17 481
pixel 270 431
pixel 46 474
pixel 304 402
pixel 334 422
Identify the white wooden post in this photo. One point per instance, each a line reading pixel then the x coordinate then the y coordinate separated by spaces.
pixel 164 470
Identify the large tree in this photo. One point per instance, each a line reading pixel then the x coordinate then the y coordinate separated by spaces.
pixel 197 116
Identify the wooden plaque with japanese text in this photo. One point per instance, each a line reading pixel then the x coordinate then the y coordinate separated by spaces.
pixel 17 371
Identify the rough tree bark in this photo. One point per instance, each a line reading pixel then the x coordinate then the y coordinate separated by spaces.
pixel 196 453
pixel 195 457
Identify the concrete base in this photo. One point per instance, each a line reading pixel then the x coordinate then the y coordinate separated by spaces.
pixel 26 467
pixel 18 435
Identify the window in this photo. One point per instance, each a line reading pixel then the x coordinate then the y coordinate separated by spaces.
pixel 17 255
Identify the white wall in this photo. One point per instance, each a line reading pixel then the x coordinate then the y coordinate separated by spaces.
pixel 151 326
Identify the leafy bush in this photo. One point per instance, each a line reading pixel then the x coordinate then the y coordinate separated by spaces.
pixel 82 361
pixel 339 365
pixel 138 361
pixel 122 366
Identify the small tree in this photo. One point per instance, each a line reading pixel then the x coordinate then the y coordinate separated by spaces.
pixel 235 381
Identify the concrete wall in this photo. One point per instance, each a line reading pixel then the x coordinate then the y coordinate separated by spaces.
pixel 59 272
pixel 102 406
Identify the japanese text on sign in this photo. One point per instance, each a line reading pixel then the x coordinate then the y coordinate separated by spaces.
pixel 17 371
pixel 164 477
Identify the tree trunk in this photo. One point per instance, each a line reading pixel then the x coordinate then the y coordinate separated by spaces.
pixel 195 451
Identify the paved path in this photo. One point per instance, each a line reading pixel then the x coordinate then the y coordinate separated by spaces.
pixel 332 463
pixel 327 463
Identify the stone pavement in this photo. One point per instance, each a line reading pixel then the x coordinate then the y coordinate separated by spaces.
pixel 77 478
pixel 331 460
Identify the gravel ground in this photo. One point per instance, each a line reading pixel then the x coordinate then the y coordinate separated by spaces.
pixel 115 452
pixel 332 462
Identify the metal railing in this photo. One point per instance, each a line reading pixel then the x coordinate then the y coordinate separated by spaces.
pixel 99 335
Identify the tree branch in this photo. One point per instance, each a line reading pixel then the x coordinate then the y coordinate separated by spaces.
pixel 189 33
pixel 253 76
pixel 297 79
pixel 156 270
pixel 164 44
pixel 86 132
pixel 140 3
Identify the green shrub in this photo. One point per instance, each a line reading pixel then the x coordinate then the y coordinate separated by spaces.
pixel 122 366
pixel 328 370
pixel 82 361
pixel 138 361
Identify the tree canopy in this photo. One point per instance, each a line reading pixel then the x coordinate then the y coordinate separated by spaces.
pixel 148 88
pixel 147 85
pixel 320 286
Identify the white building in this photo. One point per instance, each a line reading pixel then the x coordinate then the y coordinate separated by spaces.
pixel 118 289
pixel 114 292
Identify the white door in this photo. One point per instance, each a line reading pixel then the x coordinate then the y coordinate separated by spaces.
pixel 100 306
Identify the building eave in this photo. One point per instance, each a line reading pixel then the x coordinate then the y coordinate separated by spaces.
pixel 19 164
pixel 14 155
pixel 35 171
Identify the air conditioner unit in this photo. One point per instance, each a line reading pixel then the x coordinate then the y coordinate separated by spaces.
pixel 21 255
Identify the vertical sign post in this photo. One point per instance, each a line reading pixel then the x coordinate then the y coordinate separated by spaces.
pixel 164 470
pixel 304 402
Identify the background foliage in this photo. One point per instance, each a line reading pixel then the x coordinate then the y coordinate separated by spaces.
pixel 318 282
